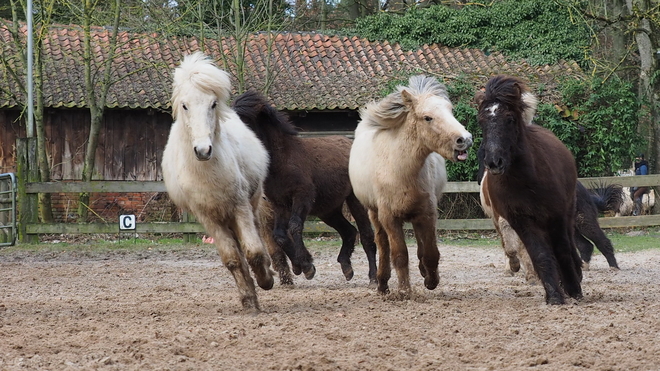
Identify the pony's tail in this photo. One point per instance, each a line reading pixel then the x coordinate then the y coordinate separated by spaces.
pixel 608 198
pixel 255 111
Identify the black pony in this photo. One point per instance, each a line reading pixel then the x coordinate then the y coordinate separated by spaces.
pixel 586 222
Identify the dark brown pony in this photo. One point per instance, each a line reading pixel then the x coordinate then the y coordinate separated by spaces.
pixel 307 176
pixel 531 184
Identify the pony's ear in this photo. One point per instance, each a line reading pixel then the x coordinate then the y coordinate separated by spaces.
pixel 408 100
pixel 479 97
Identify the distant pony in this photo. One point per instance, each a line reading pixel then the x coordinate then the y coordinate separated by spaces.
pixel 214 167
pixel 530 182
pixel 307 176
pixel 628 205
pixel 398 172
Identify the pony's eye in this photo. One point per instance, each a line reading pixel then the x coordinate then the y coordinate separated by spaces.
pixel 215 103
pixel 184 106
pixel 428 118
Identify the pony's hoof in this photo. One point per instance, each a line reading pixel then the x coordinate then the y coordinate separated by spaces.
pixel 514 265
pixel 348 272
pixel 383 289
pixel 309 273
pixel 555 301
pixel 266 284
pixel 250 304
pixel 431 281
pixel 286 279
pixel 297 270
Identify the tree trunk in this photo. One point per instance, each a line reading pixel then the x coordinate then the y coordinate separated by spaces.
pixel 648 89
pixel 96 104
pixel 45 204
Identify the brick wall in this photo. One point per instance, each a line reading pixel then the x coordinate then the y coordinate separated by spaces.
pixel 106 207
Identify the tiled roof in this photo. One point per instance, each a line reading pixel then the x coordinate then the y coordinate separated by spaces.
pixel 308 71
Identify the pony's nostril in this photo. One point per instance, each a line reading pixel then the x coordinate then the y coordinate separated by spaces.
pixel 463 142
pixel 203 154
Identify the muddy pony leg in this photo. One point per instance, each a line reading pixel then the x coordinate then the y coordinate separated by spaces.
pixel 510 242
pixel 427 248
pixel 348 233
pixel 232 258
pixel 253 247
pixel 398 250
pixel 277 255
pixel 383 244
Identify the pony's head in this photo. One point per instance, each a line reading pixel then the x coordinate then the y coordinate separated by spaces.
pixel 199 95
pixel 424 107
pixel 505 108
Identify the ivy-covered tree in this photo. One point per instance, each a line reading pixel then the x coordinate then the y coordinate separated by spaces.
pixel 541 32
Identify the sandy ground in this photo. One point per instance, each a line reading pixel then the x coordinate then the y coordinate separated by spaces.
pixel 178 310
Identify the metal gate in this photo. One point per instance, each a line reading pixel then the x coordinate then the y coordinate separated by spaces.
pixel 8 224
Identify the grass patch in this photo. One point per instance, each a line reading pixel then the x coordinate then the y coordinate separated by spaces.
pixel 624 240
pixel 634 240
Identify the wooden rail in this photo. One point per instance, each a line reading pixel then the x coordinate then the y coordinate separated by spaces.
pixel 33 228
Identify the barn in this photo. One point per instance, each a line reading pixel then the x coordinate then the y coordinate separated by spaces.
pixel 319 80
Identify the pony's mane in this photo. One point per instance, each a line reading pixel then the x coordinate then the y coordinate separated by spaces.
pixel 255 111
pixel 391 111
pixel 531 103
pixel 513 93
pixel 199 72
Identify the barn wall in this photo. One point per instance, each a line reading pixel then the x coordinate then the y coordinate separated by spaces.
pixel 130 144
pixel 130 147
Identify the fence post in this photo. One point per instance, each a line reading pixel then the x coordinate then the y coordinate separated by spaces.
pixel 27 171
pixel 188 237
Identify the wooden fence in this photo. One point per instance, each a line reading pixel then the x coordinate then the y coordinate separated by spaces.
pixel 29 228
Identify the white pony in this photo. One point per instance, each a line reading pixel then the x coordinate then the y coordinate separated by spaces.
pixel 214 167
pixel 398 172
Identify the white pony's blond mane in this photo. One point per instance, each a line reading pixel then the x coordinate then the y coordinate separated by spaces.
pixel 391 111
pixel 198 71
pixel 531 103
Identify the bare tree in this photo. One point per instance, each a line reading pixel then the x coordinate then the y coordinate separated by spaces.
pixel 42 17
pixel 96 91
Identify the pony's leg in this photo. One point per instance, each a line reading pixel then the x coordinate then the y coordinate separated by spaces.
pixel 286 243
pixel 398 250
pixel 233 259
pixel 361 217
pixel 523 255
pixel 299 212
pixel 383 244
pixel 348 233
pixel 562 234
pixel 253 247
pixel 591 230
pixel 510 242
pixel 427 248
pixel 277 255
pixel 585 247
pixel 540 251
